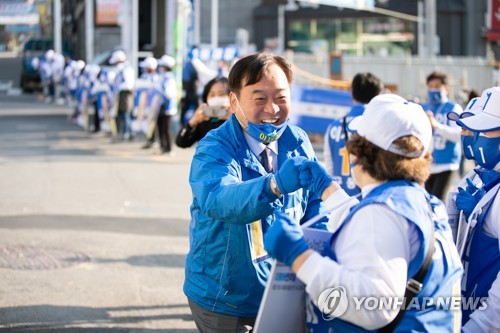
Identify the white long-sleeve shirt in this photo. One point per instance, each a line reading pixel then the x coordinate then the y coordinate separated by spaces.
pixel 449 131
pixel 373 251
pixel 125 79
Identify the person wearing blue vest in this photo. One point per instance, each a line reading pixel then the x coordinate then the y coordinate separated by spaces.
pixel 165 89
pixel 479 239
pixel 364 87
pixel 446 150
pixel 124 91
pixel 144 92
pixel 242 174
pixel 469 190
pixel 383 240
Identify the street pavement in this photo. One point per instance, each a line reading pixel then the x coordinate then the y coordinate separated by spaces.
pixel 93 234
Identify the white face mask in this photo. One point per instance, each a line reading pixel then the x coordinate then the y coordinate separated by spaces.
pixel 218 101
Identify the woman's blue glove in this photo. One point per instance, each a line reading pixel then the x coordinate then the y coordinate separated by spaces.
pixel 314 177
pixel 467 199
pixel 471 188
pixel 287 177
pixel 284 241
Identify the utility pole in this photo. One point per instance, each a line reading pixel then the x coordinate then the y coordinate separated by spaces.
pixel 170 15
pixel 196 8
pixel 430 27
pixel 420 29
pixel 130 30
pixel 57 26
pixel 281 29
pixel 89 27
pixel 215 24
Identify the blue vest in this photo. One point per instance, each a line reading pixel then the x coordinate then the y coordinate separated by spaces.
pixel 411 201
pixel 481 261
pixel 340 158
pixel 444 151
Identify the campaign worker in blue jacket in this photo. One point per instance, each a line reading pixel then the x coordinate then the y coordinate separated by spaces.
pixel 446 150
pixel 364 87
pixel 384 239
pixel 479 237
pixel 243 173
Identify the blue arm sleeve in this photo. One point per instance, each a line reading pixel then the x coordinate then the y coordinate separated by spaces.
pixel 221 193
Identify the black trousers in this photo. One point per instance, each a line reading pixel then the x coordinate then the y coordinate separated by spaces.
pixel 97 119
pixel 438 183
pixel 213 322
pixel 162 130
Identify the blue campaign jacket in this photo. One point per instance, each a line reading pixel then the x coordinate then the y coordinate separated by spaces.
pixel 336 136
pixel 443 276
pixel 227 266
pixel 444 151
pixel 481 261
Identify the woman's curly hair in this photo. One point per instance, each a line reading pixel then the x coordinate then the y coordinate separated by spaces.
pixel 384 165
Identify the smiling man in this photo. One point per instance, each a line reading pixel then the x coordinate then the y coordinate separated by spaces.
pixel 243 173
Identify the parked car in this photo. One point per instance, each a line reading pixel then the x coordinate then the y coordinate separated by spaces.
pixel 33 48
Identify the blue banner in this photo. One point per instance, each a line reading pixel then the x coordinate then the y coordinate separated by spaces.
pixel 313 108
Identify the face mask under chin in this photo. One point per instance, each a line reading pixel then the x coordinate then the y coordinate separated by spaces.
pixel 264 133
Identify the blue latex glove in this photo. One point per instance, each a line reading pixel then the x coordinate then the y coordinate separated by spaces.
pixel 471 188
pixel 284 240
pixel 488 177
pixel 287 177
pixel 467 199
pixel 314 177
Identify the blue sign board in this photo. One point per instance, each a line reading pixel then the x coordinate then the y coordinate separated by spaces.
pixel 313 108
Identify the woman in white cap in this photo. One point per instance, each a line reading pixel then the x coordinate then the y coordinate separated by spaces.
pixel 479 238
pixel 143 93
pixel 163 105
pixel 124 90
pixel 393 243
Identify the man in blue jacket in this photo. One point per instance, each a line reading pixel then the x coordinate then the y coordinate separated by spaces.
pixel 242 174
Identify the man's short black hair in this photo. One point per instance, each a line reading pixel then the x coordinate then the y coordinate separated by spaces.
pixel 437 75
pixel 250 70
pixel 365 86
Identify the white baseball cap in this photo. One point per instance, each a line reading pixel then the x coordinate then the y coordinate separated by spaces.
pixel 49 54
pixel 389 117
pixel 149 63
pixel 117 56
pixel 78 65
pixel 488 119
pixel 471 109
pixel 167 61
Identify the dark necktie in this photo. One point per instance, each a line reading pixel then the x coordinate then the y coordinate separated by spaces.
pixel 266 160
